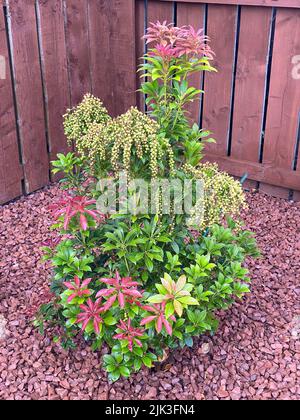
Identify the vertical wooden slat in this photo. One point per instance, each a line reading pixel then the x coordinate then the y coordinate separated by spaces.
pixel 112 33
pixel 124 54
pixel 192 14
pixel 250 82
pixel 29 93
pixel 140 13
pixel 161 11
pixel 101 54
pixel 284 98
pixel 221 28
pixel 10 168
pixel 55 72
pixel 78 48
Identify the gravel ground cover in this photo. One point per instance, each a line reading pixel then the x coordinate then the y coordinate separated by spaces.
pixel 254 355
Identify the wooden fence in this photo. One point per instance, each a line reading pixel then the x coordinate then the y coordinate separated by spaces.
pixel 54 51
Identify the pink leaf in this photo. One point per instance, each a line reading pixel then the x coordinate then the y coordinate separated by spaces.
pixel 83 222
pixel 147 320
pixel 70 298
pixel 121 300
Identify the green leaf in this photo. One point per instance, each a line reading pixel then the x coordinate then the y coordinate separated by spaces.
pixel 188 300
pixel 161 289
pixel 189 341
pixel 180 283
pixel 157 299
pixel 175 247
pixel 149 264
pixel 114 376
pixel 178 334
pixel 110 320
pixel 190 329
pixel 147 361
pixel 178 307
pixel 169 311
pixel 137 364
pixel 108 359
pixel 110 368
pixel 124 371
pixel 164 239
pixel 118 357
pixel 138 351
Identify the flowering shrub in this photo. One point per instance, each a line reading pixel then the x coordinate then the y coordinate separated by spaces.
pixel 77 120
pixel 144 282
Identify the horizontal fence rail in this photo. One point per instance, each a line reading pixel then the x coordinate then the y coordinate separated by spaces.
pixel 52 52
pixel 267 3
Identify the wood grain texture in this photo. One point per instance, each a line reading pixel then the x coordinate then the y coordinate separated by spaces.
pixel 274 191
pixel 113 54
pixel 284 100
pixel 217 99
pixel 266 173
pixel 250 83
pixel 161 11
pixel 10 168
pixel 296 196
pixel 140 46
pixel 78 48
pixel 100 44
pixel 123 54
pixel 29 93
pixel 55 72
pixel 266 3
pixel 192 14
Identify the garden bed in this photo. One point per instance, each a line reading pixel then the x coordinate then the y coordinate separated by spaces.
pixel 254 355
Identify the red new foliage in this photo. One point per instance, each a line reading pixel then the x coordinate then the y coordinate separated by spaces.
pixel 91 312
pixel 121 289
pixel 130 334
pixel 172 41
pixel 159 317
pixel 70 207
pixel 80 290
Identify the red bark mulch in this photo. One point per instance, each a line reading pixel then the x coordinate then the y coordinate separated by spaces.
pixel 254 355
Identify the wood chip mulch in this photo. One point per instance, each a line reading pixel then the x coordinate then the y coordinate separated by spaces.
pixel 254 355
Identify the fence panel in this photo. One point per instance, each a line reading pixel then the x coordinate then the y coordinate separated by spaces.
pixel 62 49
pixel 78 48
pixel 193 14
pixel 221 28
pixel 50 19
pixel 250 83
pixel 10 168
pixel 29 93
pixel 113 53
pixel 282 128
